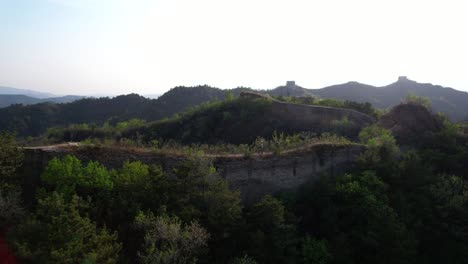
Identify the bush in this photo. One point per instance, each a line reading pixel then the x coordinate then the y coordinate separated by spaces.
pixel 421 100
pixel 168 241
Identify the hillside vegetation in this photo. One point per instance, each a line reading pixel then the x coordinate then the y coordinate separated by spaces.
pixel 236 120
pixel 393 207
pixel 33 120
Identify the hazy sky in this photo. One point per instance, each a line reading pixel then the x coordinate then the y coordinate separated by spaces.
pixel 118 46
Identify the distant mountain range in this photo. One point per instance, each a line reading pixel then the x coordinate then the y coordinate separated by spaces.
pixel 35 119
pixel 15 91
pixel 11 99
pixel 449 101
pixel 10 96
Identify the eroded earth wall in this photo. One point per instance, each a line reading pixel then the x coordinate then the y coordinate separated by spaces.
pixel 254 176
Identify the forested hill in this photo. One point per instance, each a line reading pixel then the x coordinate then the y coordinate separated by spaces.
pixel 10 99
pixel 33 120
pixel 243 119
pixel 179 98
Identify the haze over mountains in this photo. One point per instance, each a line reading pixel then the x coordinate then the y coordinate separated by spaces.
pixel 11 99
pixel 10 96
pixel 449 101
pixel 35 119
pixel 15 91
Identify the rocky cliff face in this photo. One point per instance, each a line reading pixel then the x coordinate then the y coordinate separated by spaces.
pixel 254 176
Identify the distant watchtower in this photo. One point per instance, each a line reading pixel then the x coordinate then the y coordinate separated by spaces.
pixel 402 78
pixel 290 83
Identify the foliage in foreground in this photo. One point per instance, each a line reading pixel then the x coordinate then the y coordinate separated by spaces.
pixel 167 241
pixel 59 232
pixel 395 207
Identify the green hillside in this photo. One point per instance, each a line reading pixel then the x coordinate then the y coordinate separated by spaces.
pixel 33 120
pixel 236 120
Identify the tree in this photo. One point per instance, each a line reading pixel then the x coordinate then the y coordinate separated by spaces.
pixel 190 185
pixel 11 210
pixel 368 225
pixel 244 260
pixel 138 187
pixel 229 96
pixel 352 212
pixel 223 207
pixel 61 232
pixel 168 241
pixel 198 192
pixel 315 251
pixel 445 232
pixel 422 100
pixel 68 176
pixel 382 151
pixel 446 151
pixel 270 237
pixel 11 158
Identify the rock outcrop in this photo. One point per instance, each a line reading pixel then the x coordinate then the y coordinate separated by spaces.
pixel 410 123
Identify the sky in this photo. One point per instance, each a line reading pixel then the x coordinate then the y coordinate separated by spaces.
pixel 122 46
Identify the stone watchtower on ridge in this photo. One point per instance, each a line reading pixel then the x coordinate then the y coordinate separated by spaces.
pixel 290 83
